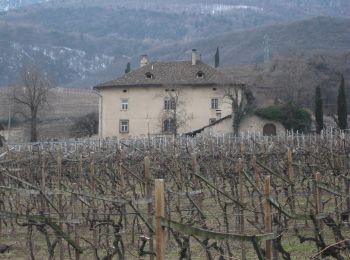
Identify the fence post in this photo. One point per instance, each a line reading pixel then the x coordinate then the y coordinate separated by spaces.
pixel 267 218
pixel 256 172
pixel 160 234
pixel 291 178
pixel 60 205
pixel 43 182
pixel 241 198
pixel 75 218
pixel 81 172
pixel 318 198
pixel 93 204
pixel 148 191
pixel 347 190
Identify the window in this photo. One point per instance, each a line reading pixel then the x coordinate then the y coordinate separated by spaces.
pixel 169 103
pixel 214 103
pixel 124 126
pixel 124 104
pixel 212 121
pixel 149 75
pixel 200 74
pixel 169 125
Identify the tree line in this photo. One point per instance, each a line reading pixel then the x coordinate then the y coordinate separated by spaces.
pixel 342 112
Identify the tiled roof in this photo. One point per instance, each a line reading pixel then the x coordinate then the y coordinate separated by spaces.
pixel 170 73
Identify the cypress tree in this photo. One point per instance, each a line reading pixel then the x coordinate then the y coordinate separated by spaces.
pixel 318 110
pixel 128 68
pixel 217 58
pixel 342 106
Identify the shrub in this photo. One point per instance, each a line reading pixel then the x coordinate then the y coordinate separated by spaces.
pixel 289 115
pixel 86 125
pixel 14 121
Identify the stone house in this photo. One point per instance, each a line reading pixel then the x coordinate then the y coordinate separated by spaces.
pixel 165 98
pixel 178 97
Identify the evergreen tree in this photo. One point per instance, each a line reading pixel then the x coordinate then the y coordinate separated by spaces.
pixel 217 58
pixel 342 106
pixel 128 68
pixel 318 110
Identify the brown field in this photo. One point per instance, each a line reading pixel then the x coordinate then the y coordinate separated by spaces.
pixel 56 119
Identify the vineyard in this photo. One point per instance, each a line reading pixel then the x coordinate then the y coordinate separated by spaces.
pixel 252 197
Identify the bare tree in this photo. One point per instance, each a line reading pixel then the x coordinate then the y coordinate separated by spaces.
pixel 241 100
pixel 173 116
pixel 31 96
pixel 293 79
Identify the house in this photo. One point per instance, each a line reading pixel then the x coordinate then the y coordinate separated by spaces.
pixel 165 98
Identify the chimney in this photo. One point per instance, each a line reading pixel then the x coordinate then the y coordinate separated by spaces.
pixel 144 60
pixel 194 56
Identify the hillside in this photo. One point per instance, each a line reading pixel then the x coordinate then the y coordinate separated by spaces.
pixel 81 43
pixel 295 77
pixel 75 39
pixel 321 35
pixel 327 34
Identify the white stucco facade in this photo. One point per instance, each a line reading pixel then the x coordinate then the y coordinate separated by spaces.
pixel 145 108
pixel 251 124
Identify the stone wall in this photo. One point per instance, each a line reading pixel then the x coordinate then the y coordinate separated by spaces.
pixel 252 124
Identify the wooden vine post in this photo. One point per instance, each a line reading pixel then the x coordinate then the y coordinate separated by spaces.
pixel 318 198
pixel 43 181
pixel 93 204
pixel 291 179
pixel 148 191
pixel 81 171
pixel 178 179
pixel 75 218
pixel 60 204
pixel 267 218
pixel 347 190
pixel 241 198
pixel 120 170
pixel 81 180
pixel 159 204
pixel 196 170
pixel 256 172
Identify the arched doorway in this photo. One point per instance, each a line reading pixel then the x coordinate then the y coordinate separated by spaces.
pixel 269 129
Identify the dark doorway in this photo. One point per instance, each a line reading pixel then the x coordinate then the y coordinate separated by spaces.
pixel 269 129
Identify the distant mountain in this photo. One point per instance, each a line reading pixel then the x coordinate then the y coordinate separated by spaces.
pixel 326 34
pixel 320 35
pixel 81 42
pixel 6 5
